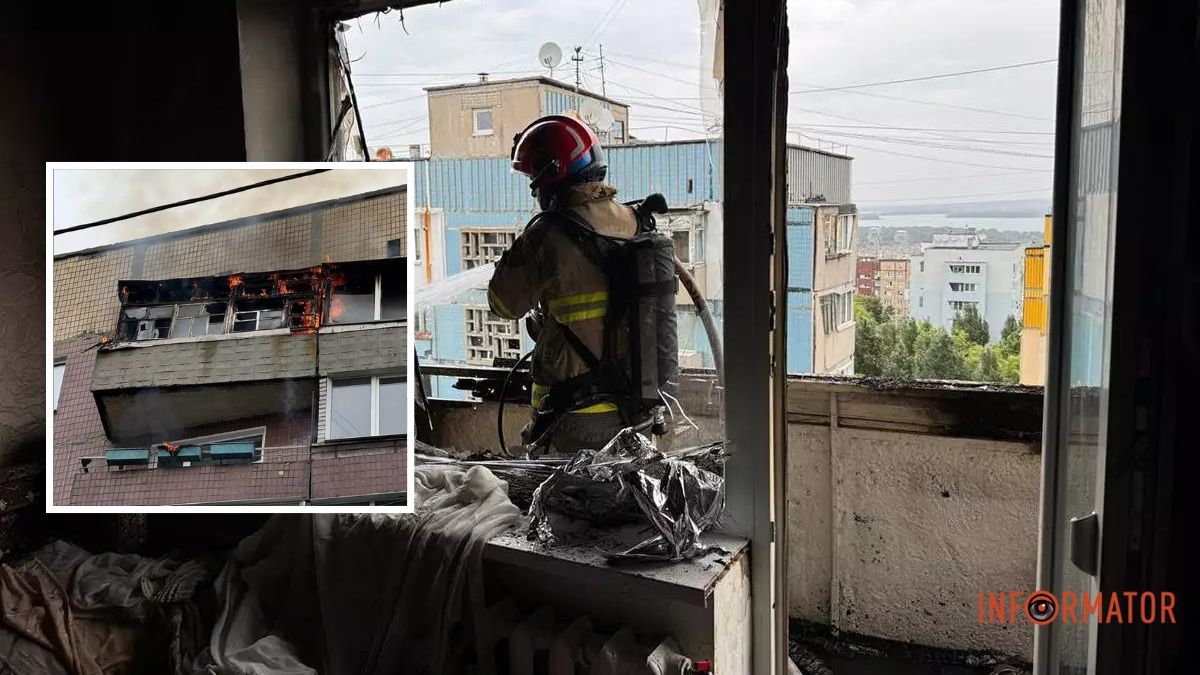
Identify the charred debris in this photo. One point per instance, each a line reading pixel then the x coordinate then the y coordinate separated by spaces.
pixel 300 300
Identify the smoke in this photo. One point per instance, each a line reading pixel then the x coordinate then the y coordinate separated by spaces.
pixel 87 195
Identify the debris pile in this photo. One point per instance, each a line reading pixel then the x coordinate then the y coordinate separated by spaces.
pixel 680 494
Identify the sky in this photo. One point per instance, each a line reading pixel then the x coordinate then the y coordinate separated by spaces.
pixel 984 136
pixel 87 195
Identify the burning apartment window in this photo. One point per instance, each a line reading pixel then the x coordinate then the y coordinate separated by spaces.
pixel 148 323
pixel 60 369
pixel 490 336
pixel 393 301
pixel 370 297
pixel 354 301
pixel 366 406
pixel 480 247
pixel 199 319
pixel 255 315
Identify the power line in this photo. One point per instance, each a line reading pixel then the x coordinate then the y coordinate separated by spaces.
pixel 972 131
pixel 943 105
pixel 931 144
pixel 193 200
pixel 954 177
pixel 924 78
pixel 611 15
pixel 926 157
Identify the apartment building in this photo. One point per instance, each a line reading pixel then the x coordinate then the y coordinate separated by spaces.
pixel 260 360
pixel 885 278
pixel 957 271
pixel 1034 322
pixel 469 210
pixel 479 119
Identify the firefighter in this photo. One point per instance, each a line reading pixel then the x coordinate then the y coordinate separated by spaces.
pixel 549 275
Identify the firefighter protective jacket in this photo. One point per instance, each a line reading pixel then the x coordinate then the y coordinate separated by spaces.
pixel 545 267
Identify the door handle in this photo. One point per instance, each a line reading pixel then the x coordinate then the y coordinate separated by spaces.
pixel 1085 536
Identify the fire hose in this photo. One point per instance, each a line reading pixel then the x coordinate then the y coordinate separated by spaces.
pixel 702 310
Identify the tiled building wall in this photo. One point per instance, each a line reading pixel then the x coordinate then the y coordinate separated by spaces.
pixel 282 244
pixel 360 231
pixel 86 302
pixel 281 475
pixel 360 471
pixel 77 428
pixel 85 292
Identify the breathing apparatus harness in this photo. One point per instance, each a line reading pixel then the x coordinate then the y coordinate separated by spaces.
pixel 642 285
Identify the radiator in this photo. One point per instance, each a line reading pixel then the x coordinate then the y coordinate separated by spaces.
pixel 517 642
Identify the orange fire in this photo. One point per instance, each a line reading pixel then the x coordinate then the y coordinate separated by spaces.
pixel 283 287
pixel 336 308
pixel 171 447
pixel 235 281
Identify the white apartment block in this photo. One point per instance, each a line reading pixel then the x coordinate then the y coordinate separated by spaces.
pixel 960 270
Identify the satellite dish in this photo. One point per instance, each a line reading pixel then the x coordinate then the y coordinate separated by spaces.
pixel 605 119
pixel 589 112
pixel 550 55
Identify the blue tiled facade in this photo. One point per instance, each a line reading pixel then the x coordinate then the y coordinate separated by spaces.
pixel 485 193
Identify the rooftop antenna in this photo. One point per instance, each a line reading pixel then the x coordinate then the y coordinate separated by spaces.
pixel 550 55
pixel 603 84
pixel 578 58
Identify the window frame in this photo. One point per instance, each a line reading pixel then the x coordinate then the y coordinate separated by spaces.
pixel 476 130
pixel 59 374
pixel 375 381
pixel 377 313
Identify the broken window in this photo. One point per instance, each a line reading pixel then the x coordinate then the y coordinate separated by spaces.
pixel 147 323
pixel 354 301
pixel 256 314
pixel 199 319
pixel 369 297
pixel 393 301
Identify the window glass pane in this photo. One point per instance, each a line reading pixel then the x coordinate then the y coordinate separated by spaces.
pixel 59 370
pixel 393 410
pixel 350 408
pixel 271 319
pixel 354 302
pixel 393 304
pixel 683 249
pixel 245 321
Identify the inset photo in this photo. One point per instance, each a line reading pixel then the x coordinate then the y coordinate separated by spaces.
pixel 228 337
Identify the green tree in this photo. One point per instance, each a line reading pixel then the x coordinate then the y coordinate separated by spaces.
pixel 970 322
pixel 1010 336
pixel 935 355
pixel 869 349
pixel 989 365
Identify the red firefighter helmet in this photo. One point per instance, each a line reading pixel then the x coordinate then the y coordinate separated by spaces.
pixel 555 151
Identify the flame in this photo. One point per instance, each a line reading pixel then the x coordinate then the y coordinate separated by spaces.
pixel 104 339
pixel 283 287
pixel 336 308
pixel 235 281
pixel 171 447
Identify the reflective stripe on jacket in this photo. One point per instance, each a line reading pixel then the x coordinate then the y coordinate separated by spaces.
pixel 546 267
